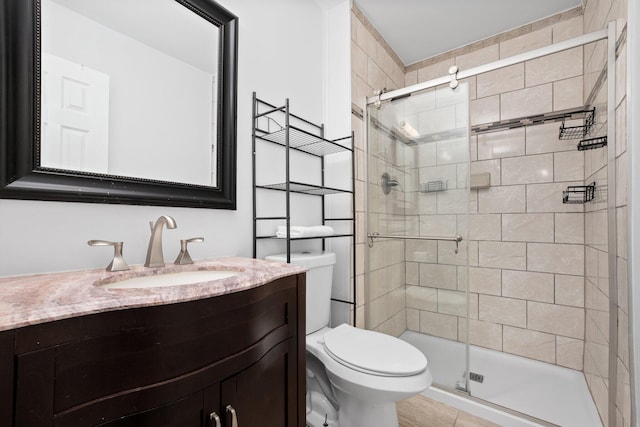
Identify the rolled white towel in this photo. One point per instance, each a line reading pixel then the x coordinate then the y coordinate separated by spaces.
pixel 300 231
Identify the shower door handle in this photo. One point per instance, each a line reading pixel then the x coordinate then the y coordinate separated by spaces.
pixel 375 235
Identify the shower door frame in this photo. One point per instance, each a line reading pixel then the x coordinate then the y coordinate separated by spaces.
pixel 608 34
pixel 371 236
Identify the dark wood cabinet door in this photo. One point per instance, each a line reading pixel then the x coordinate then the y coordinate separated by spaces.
pixel 262 394
pixel 34 388
pixel 211 405
pixel 6 378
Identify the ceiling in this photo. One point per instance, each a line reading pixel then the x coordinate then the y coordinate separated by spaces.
pixel 419 29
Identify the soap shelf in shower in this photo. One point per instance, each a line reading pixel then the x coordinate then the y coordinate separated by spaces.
pixel 592 143
pixel 579 194
pixel 433 186
pixel 578 132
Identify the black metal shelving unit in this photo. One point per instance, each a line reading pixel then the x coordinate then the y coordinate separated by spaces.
pixel 273 124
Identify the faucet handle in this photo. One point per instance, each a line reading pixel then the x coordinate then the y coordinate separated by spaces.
pixel 117 263
pixel 183 256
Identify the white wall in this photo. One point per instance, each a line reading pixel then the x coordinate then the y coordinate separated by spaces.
pixel 337 119
pixel 280 55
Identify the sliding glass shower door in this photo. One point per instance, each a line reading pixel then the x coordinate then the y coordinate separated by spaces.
pixel 417 216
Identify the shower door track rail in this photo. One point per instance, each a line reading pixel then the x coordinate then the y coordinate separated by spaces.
pixel 463 74
pixel 457 238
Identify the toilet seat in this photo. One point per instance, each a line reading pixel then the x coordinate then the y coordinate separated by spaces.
pixel 373 352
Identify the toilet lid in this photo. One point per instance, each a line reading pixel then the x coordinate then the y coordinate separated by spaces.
pixel 373 352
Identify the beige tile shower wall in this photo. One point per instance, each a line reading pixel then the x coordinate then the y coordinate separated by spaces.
pixel 526 248
pixel 374 66
pixel 597 15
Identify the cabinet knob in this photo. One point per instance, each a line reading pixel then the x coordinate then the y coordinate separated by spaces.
pixel 213 417
pixel 232 413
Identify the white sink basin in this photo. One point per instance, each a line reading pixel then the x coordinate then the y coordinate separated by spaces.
pixel 172 279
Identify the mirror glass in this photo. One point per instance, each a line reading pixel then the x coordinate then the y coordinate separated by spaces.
pixel 129 88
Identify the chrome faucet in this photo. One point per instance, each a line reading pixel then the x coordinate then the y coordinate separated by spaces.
pixel 155 258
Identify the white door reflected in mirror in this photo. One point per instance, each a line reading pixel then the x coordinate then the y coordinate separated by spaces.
pixel 75 116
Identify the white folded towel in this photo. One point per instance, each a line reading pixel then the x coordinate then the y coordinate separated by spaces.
pixel 300 231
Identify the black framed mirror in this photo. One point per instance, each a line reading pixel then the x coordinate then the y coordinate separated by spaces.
pixel 26 169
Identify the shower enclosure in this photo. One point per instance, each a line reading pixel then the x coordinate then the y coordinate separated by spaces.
pixel 476 235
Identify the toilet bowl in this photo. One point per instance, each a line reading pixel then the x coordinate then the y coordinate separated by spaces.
pixel 354 376
pixel 367 382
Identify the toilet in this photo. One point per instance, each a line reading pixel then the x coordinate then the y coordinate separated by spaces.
pixel 354 376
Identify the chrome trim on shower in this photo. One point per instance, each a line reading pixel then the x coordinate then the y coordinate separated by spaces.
pixel 453 73
pixel 501 63
pixel 457 238
pixel 612 226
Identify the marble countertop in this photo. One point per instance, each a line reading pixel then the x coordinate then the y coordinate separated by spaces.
pixel 29 300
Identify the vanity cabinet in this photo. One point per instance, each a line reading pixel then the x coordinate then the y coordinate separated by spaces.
pixel 163 365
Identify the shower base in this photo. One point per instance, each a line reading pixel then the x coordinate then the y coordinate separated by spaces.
pixel 547 392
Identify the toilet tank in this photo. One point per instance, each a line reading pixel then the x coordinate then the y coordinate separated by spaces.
pixel 319 278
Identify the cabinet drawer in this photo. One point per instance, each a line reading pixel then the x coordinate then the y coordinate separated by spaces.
pixel 186 412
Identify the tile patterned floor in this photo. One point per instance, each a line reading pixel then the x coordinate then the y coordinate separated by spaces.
pixel 420 411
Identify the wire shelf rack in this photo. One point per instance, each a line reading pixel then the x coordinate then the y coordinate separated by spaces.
pixel 302 140
pixel 297 187
pixel 592 143
pixel 578 132
pixel 433 186
pixel 579 194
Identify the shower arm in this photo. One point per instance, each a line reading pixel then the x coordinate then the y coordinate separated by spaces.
pixel 375 235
